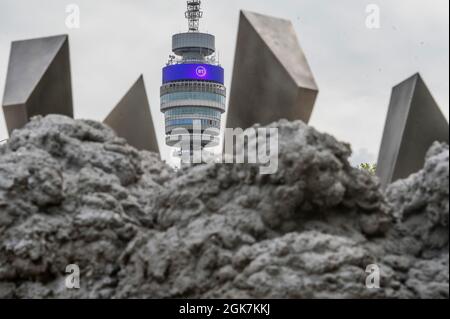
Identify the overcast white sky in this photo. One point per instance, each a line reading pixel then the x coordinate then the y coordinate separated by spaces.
pixel 355 67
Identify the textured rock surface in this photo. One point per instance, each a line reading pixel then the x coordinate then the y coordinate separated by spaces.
pixel 73 193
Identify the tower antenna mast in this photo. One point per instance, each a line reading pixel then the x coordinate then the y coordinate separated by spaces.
pixel 194 14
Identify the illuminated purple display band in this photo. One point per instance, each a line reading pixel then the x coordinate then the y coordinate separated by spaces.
pixel 205 72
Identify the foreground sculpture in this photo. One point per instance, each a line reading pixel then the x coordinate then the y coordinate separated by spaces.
pixel 138 229
pixel 38 80
pixel 131 119
pixel 413 123
pixel 271 78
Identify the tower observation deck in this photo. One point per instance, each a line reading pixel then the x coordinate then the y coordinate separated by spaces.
pixel 193 94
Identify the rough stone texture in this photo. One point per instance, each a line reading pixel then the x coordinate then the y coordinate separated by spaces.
pixel 72 192
pixel 421 208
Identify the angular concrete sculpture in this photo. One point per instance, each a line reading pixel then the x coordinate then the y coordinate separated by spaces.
pixel 413 123
pixel 271 78
pixel 131 119
pixel 38 80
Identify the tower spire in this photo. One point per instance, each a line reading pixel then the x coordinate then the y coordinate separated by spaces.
pixel 193 14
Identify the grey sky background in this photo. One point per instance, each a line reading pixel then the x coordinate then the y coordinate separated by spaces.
pixel 355 67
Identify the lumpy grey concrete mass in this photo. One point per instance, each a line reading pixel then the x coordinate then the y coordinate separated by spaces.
pixel 71 192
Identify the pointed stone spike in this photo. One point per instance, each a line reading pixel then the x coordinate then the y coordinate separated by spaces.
pixel 131 119
pixel 38 80
pixel 271 79
pixel 413 123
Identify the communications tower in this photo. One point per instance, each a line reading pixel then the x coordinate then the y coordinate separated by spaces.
pixel 193 94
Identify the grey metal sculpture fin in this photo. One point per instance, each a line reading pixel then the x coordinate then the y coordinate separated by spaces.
pixel 131 119
pixel 414 121
pixel 38 81
pixel 271 78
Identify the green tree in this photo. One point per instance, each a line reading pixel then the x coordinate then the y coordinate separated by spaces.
pixel 369 168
